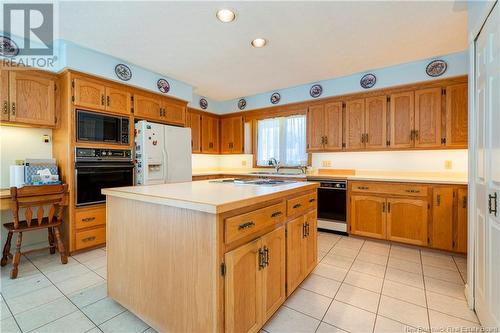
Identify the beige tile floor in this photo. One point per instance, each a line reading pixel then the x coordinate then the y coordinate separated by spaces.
pixel 369 286
pixel 358 286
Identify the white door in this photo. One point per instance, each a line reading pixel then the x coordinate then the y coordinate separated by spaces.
pixel 178 154
pixel 487 180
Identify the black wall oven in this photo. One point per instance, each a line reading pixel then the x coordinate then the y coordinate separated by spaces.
pixel 96 169
pixel 101 128
pixel 332 205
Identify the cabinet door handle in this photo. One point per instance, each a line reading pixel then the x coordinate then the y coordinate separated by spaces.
pixel 412 191
pixel 164 112
pixel 383 207
pixel 388 207
pixel 307 229
pixel 13 108
pixel 303 230
pixel 312 200
pixel 276 214
pixel 88 239
pixel 366 137
pixel 492 202
pixel 266 256
pixel 416 134
pixel 362 138
pixel 5 107
pixel 464 203
pixel 107 100
pixel 438 200
pixel 326 140
pixel 297 206
pixel 246 225
pixel 102 99
pixel 412 135
pixel 362 187
pixel 88 219
pixel 261 259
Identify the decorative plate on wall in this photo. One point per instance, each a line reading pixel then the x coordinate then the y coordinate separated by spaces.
pixel 123 72
pixel 163 86
pixel 436 68
pixel 316 90
pixel 368 81
pixel 203 103
pixel 275 98
pixel 242 104
pixel 8 48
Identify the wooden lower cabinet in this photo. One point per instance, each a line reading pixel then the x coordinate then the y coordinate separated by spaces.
pixel 367 216
pixel 407 220
pixel 419 214
pixel 302 250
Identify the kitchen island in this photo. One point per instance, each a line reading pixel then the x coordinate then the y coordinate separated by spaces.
pixel 209 256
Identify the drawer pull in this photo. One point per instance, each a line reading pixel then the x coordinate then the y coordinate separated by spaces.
pixel 312 200
pixel 246 225
pixel 297 206
pixel 413 191
pixel 276 214
pixel 362 187
pixel 88 219
pixel 88 239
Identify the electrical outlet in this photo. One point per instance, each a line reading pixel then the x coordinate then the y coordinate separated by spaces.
pixel 46 138
pixel 448 164
pixel 243 162
pixel 326 163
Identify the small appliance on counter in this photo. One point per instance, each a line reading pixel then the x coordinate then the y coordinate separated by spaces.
pixel 34 172
pixel 162 154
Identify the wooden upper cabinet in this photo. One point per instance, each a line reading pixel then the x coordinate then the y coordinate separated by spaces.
pixel 315 127
pixel 442 218
pixel 457 115
pixel 118 100
pixel 4 95
pixel 231 135
pixel 147 107
pixel 94 94
pixel 368 216
pixel 173 112
pixel 274 274
pixel 333 126
pixel 376 122
pixel 243 289
pixel 32 98
pixel 209 134
pixel 355 124
pixel 427 132
pixel 407 220
pixel 89 94
pixel 461 222
pixel 402 120
pixel 193 121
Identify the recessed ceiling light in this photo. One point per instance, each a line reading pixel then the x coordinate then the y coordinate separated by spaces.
pixel 226 15
pixel 259 42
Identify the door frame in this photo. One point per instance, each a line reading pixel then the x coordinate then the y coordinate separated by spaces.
pixel 471 212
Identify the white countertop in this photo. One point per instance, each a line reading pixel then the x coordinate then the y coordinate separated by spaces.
pixel 388 176
pixel 208 196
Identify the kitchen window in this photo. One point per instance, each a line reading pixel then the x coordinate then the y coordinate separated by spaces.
pixel 283 138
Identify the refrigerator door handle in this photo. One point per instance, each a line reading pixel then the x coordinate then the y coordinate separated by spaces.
pixel 165 165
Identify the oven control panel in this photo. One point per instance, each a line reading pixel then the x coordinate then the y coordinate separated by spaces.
pixel 335 185
pixel 96 154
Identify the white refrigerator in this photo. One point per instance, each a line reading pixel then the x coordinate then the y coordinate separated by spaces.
pixel 162 154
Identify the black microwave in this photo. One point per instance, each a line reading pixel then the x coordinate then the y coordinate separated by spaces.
pixel 98 127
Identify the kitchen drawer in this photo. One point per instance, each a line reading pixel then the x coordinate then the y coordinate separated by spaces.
pixel 90 217
pixel 240 226
pixel 89 238
pixel 413 190
pixel 301 204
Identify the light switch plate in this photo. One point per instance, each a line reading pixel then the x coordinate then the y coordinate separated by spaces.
pixel 243 163
pixel 326 163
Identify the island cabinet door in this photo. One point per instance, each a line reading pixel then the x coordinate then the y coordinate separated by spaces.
pixel 311 244
pixel 407 220
pixel 368 216
pixel 295 253
pixel 243 288
pixel 273 245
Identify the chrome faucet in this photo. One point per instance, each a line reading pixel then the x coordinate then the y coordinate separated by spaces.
pixel 273 162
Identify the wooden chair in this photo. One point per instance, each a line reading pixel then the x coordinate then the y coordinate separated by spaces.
pixel 33 199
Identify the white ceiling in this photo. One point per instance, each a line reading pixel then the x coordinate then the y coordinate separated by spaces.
pixel 308 41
